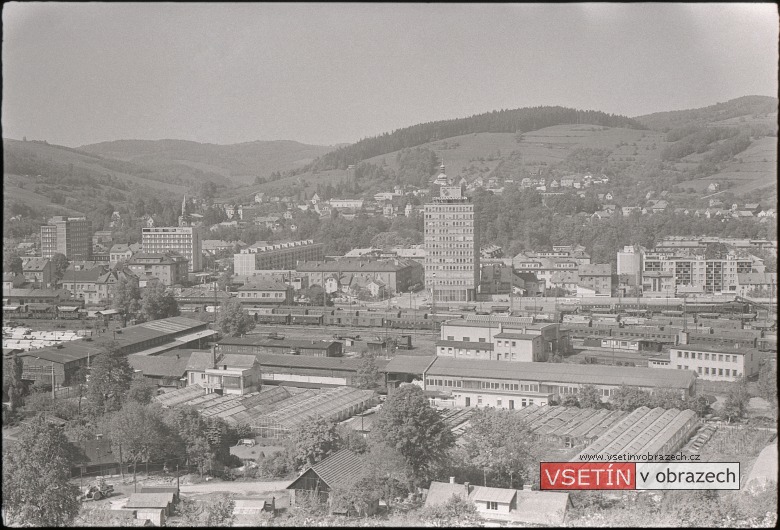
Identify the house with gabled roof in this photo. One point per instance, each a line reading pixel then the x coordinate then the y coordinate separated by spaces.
pixel 509 505
pixel 338 471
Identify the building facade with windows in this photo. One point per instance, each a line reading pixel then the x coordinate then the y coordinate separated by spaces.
pixel 170 269
pixel 183 240
pixel 452 271
pixel 275 256
pixel 71 236
pixel 712 363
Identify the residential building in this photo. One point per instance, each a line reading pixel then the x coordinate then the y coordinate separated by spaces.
pixel 182 240
pixel 233 374
pixel 170 269
pixel 398 275
pixel 693 272
pixel 120 252
pixel 12 281
pixel 71 236
pixel 274 256
pixel 597 277
pixel 759 284
pixel 338 471
pixel 712 363
pixel 260 291
pixel 452 271
pixel 355 204
pixel 39 272
pixel 524 507
pixel 545 266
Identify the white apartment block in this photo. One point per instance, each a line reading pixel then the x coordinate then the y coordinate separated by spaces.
pixel 275 256
pixel 695 274
pixel 712 363
pixel 182 240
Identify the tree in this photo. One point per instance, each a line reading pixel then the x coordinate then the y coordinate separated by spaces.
pixel 15 384
pixel 589 397
pixel 570 400
pixel 767 386
pixel 737 400
pixel 223 282
pixel 367 376
pixel 138 432
pixel 313 441
pixel 59 263
pixel 142 390
pixel 233 321
pixel 408 424
pixel 36 478
pixel 219 512
pixel 157 302
pixel 16 266
pixel 457 511
pixel 126 296
pixel 499 441
pixel 630 398
pixel 110 379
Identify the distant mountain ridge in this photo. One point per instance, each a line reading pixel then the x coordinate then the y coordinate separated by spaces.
pixel 743 106
pixel 240 162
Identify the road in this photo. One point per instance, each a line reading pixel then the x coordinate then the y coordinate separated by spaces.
pixel 244 488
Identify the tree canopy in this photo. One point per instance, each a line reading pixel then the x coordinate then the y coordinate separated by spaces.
pixel 110 379
pixel 408 424
pixel 36 478
pixel 158 302
pixel 233 321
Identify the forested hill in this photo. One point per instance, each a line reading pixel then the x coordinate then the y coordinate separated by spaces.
pixel 734 108
pixel 502 121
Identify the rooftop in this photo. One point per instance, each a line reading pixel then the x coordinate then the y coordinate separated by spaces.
pixel 563 373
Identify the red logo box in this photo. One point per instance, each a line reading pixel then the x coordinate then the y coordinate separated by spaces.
pixel 587 476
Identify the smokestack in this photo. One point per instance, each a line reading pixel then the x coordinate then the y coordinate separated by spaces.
pixel 213 355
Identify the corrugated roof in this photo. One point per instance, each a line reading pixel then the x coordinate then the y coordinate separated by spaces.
pixel 338 470
pixel 563 373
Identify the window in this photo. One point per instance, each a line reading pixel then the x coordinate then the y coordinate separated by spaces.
pixel 720 357
pixel 706 370
pixel 498 403
pixel 698 369
pixel 679 354
pixel 479 400
pixel 491 505
pixel 698 356
pixel 706 356
pixel 728 372
pixel 720 371
pixel 686 355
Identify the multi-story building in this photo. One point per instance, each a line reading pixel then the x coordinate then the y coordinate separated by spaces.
pixel 260 292
pixel 452 245
pixel 597 277
pixel 275 256
pixel 398 275
pixel 545 267
pixel 694 273
pixel 93 286
pixel 183 240
pixel 513 338
pixel 713 363
pixel 120 252
pixel 170 269
pixel 39 272
pixel 629 265
pixel 71 236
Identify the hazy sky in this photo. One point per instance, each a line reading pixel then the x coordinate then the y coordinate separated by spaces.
pixel 75 73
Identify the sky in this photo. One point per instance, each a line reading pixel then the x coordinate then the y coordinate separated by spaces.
pixel 81 73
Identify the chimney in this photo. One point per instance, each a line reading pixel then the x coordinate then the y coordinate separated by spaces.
pixel 213 355
pixel 452 480
pixel 224 367
pixel 467 488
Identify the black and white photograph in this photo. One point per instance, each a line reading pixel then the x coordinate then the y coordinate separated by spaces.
pixel 390 264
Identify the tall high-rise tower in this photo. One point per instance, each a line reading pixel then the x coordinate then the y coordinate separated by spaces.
pixel 71 236
pixel 451 244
